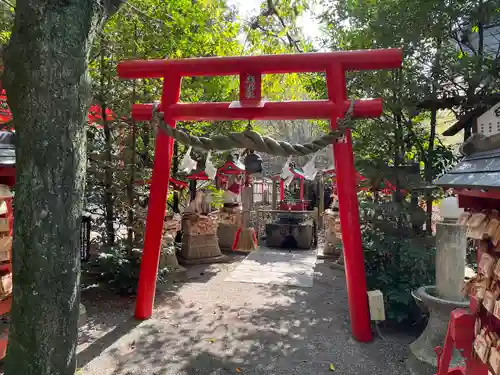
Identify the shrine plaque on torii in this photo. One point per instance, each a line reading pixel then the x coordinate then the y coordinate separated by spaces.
pixel 251 107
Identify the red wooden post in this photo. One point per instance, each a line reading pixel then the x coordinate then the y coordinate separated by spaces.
pixel 156 206
pixel 460 336
pixel 282 189
pixel 349 213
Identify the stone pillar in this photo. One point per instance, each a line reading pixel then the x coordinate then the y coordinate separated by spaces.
pixel 451 245
pixel 274 197
pixel 83 315
pixel 444 297
pixel 321 196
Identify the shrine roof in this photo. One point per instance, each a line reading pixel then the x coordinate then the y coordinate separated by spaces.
pixel 197 174
pixel 297 172
pixel 477 171
pixel 231 167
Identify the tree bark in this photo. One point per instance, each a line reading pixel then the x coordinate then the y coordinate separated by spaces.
pixel 399 144
pixel 48 89
pixel 429 171
pixel 130 187
pixel 429 160
pixel 133 162
pixel 109 201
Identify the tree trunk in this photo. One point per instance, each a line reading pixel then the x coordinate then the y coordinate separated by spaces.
pixel 147 161
pixel 399 146
pixel 429 171
pixel 130 188
pixel 145 137
pixel 131 182
pixel 109 202
pixel 429 160
pixel 48 86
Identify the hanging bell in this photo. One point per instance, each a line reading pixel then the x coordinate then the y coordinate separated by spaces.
pixel 253 163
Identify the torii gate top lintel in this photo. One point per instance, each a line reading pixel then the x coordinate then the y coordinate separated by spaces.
pixel 250 106
pixel 264 64
pixel 250 70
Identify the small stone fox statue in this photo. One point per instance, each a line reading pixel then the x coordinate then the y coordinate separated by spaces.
pixel 196 205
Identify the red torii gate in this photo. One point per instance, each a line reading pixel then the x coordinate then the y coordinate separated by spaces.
pixel 250 107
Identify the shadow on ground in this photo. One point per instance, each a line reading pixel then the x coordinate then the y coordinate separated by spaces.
pixel 207 326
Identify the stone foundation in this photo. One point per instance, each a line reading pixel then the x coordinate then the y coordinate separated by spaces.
pixel 201 246
pixel 226 234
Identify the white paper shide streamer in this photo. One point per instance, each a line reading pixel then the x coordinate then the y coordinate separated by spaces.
pixel 286 173
pixel 187 163
pixel 309 169
pixel 210 169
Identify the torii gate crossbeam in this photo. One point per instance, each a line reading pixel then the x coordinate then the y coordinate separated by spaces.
pixel 250 106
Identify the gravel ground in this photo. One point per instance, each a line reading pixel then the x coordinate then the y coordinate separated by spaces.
pixel 207 326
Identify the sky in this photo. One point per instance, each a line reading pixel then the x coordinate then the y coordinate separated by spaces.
pixel 250 7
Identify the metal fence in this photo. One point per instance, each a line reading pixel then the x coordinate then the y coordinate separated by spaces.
pixel 85 238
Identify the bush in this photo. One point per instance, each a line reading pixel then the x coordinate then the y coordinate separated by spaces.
pixel 119 268
pixel 397 266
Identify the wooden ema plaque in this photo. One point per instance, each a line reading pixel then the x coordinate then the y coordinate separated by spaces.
pixel 484 289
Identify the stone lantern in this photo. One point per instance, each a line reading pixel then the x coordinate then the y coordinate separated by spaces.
pixel 444 297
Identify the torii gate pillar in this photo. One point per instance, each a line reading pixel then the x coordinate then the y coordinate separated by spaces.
pixel 250 107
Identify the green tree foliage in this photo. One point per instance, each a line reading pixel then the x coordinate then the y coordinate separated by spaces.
pixel 121 151
pixel 174 29
pixel 397 266
pixel 423 30
pixel 149 29
pixel 276 23
pixel 446 66
pixel 7 9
